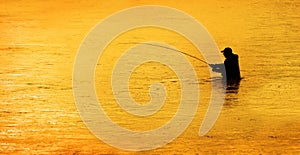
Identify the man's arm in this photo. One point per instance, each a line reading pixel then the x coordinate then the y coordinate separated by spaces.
pixel 219 68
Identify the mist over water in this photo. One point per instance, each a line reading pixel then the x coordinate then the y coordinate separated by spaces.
pixel 39 43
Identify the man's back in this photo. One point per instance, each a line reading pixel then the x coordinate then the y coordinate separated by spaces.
pixel 232 68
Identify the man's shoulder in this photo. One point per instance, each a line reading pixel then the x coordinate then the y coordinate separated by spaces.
pixel 236 56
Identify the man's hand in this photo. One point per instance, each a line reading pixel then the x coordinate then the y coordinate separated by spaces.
pixel 212 65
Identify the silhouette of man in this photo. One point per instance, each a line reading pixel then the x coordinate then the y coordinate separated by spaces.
pixel 231 64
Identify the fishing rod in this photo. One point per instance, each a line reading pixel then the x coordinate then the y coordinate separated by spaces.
pixel 169 48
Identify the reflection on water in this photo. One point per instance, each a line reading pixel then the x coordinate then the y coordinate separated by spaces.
pixel 233 87
pixel 39 40
pixel 232 91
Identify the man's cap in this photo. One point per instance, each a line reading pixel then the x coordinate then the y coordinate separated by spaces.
pixel 227 50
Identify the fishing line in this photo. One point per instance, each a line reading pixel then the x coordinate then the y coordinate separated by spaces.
pixel 169 48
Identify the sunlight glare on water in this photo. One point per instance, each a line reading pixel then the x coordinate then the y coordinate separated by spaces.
pixel 39 43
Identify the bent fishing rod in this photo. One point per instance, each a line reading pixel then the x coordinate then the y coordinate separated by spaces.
pixel 169 48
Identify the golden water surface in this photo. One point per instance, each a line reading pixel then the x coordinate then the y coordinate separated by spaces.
pixel 39 43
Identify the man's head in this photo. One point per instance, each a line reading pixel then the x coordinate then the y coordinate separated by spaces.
pixel 227 52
